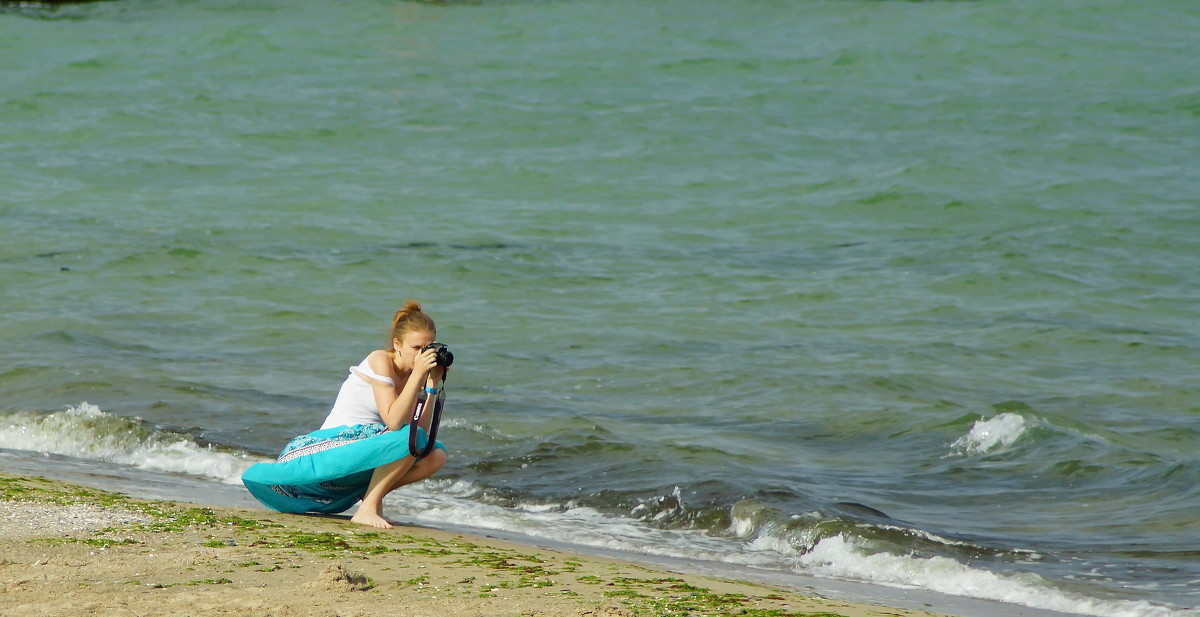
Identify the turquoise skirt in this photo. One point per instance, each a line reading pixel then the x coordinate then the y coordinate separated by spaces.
pixel 328 470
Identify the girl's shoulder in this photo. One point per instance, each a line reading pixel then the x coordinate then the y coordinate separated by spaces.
pixel 378 359
pixel 380 363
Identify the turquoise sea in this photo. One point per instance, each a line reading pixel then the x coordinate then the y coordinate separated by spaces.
pixel 902 293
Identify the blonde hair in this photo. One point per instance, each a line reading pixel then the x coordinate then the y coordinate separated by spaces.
pixel 410 319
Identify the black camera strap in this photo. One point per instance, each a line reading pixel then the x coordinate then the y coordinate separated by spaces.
pixel 414 425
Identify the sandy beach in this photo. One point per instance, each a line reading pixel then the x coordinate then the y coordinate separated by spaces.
pixel 70 550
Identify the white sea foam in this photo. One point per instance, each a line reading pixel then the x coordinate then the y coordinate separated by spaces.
pixel 476 427
pixel 456 488
pixel 991 434
pixel 89 433
pixel 848 558
pixel 659 508
pixel 577 525
pixel 187 457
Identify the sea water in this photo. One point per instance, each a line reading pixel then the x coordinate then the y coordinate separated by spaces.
pixel 891 292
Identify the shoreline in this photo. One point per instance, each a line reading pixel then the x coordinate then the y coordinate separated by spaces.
pixel 67 547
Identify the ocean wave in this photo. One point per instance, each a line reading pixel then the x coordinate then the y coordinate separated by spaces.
pixel 992 434
pixel 87 432
pixel 478 428
pixel 844 557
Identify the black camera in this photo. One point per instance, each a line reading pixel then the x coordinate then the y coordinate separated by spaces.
pixel 443 355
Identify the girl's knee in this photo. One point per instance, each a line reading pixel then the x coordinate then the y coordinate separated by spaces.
pixel 431 462
pixel 436 459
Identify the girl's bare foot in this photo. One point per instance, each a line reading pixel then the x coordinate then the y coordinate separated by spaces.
pixel 371 519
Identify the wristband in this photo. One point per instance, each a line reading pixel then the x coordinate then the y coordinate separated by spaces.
pixel 432 390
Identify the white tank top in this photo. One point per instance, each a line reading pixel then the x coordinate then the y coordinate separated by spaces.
pixel 355 402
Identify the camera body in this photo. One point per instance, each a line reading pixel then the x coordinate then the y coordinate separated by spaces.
pixel 444 357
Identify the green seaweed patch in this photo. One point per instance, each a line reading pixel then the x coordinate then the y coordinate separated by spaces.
pixel 41 490
pixel 419 580
pixel 526 575
pixel 100 542
pixel 428 547
pixel 10 490
pixel 502 564
pixel 325 543
pixel 624 593
pixel 210 581
pixel 173 519
pixel 671 596
pixel 426 551
pixel 500 560
pixel 678 585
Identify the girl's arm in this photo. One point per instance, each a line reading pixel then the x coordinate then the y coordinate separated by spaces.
pixel 396 409
pixel 431 381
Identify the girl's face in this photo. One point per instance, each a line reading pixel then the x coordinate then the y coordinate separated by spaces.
pixel 408 347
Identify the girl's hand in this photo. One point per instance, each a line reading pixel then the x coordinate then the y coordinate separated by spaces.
pixel 424 362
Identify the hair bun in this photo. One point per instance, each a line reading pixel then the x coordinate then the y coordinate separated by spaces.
pixel 409 318
pixel 410 306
